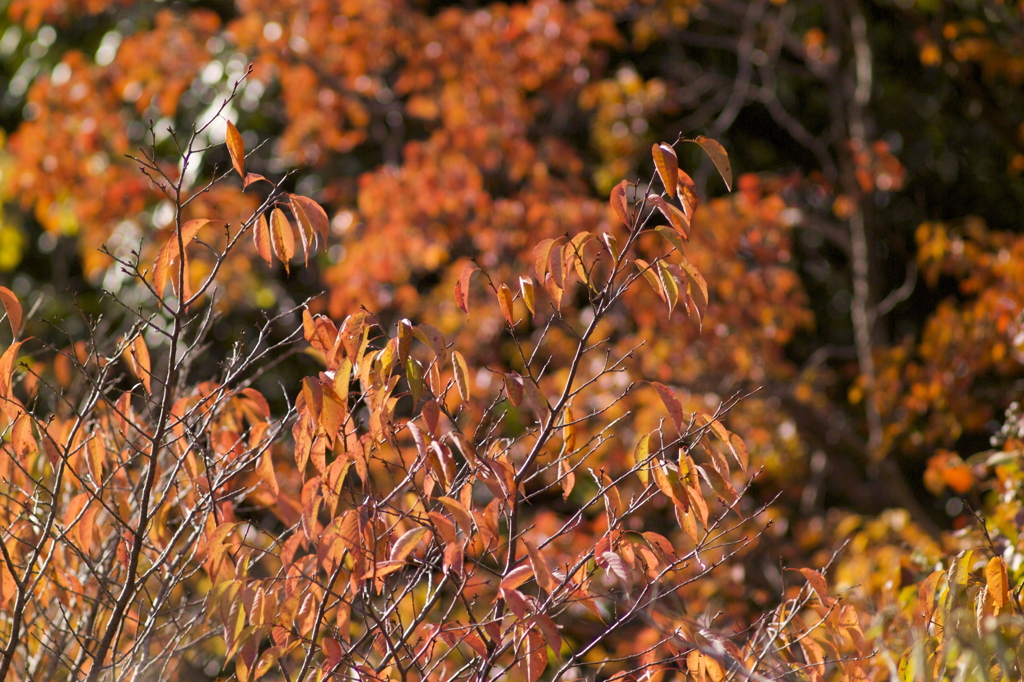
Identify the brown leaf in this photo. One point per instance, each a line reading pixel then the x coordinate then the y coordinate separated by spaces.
pixel 667 164
pixel 13 307
pixel 719 157
pixel 236 148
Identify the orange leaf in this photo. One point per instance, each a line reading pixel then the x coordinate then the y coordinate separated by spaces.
pixel 619 204
pixel 13 307
pixel 516 577
pixel 505 301
pixel 281 237
pixel 668 166
pixel 406 543
pixel 462 288
pixel 541 570
pixel 261 237
pixel 314 214
pixel 817 582
pixel 672 404
pixel 236 148
pixel 140 361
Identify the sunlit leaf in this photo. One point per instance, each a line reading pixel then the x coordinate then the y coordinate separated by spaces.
pixel 13 308
pixel 667 165
pixel 236 148
pixel 281 237
pixel 461 374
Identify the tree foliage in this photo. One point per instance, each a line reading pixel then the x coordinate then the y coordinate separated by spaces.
pixel 404 339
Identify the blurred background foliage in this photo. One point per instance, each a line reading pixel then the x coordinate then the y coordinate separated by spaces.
pixel 866 273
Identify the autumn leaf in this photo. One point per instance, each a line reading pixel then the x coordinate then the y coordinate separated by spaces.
pixel 672 404
pixel 505 302
pixel 13 308
pixel 667 165
pixel 462 288
pixel 718 156
pixel 236 148
pixel 461 374
pixel 619 203
pixel 281 237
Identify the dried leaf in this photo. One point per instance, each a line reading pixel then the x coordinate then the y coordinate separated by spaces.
pixel 667 164
pixel 236 148
pixel 719 157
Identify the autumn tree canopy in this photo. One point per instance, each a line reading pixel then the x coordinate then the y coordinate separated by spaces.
pixel 544 339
